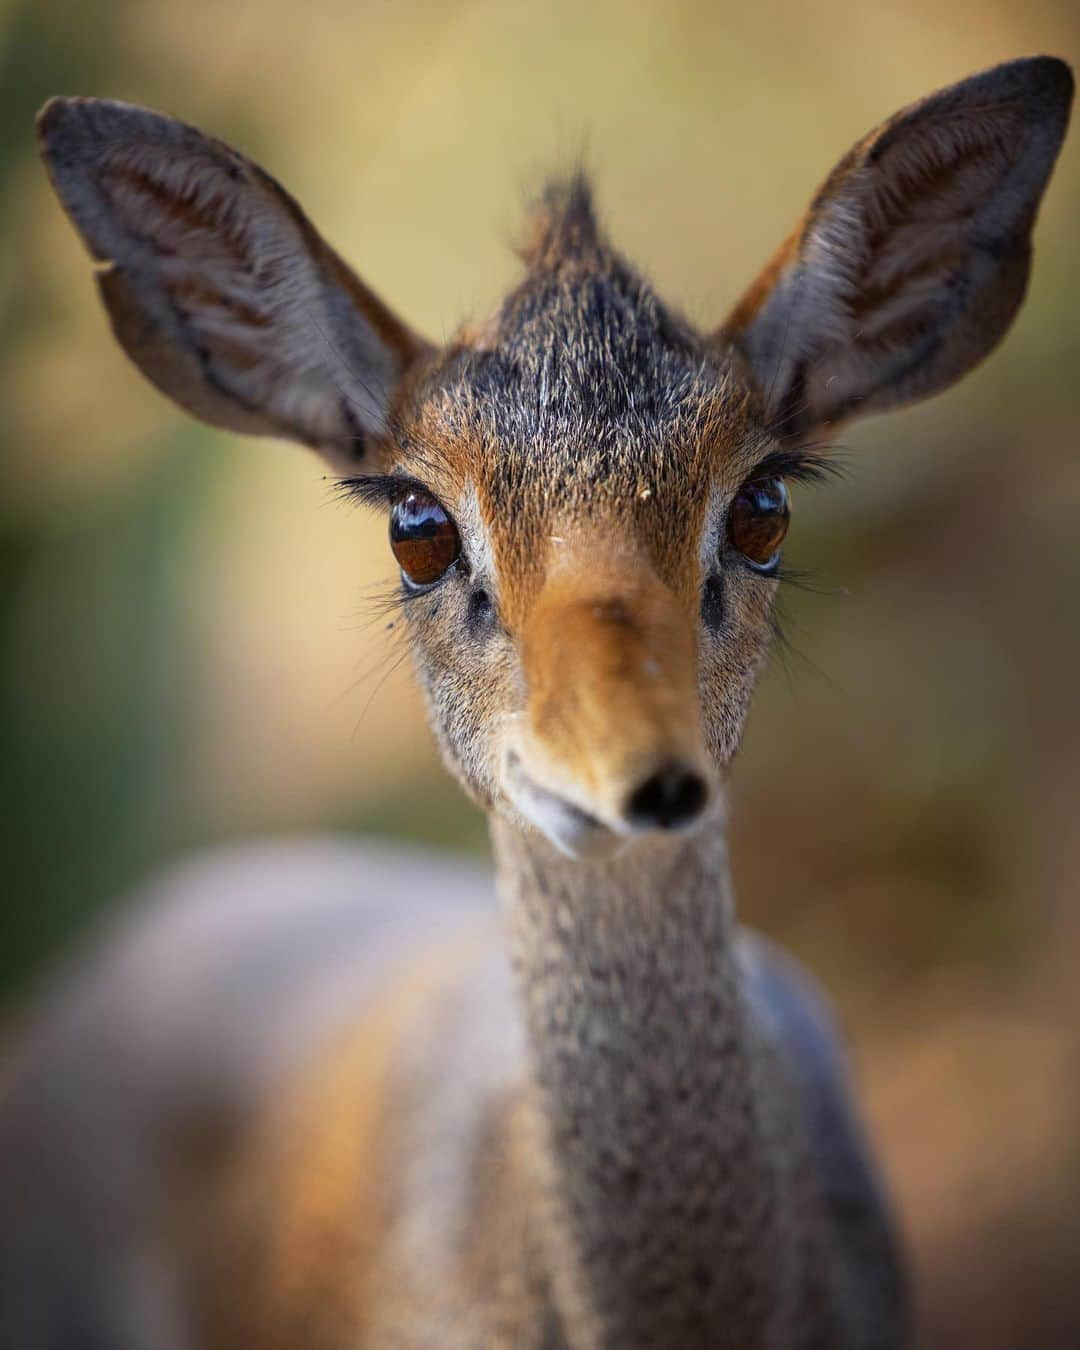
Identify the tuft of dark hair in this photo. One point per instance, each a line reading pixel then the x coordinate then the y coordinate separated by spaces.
pixel 561 225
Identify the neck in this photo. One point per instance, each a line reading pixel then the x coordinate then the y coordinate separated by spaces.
pixel 645 1092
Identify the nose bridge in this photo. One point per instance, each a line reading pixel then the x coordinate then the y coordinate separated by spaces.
pixel 611 667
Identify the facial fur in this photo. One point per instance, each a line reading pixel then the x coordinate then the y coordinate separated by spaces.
pixel 589 656
pixel 585 439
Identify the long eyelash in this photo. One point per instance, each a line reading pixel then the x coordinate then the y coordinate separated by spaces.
pixel 379 489
pixel 786 653
pixel 811 462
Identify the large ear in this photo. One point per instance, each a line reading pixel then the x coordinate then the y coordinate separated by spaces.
pixel 218 287
pixel 913 257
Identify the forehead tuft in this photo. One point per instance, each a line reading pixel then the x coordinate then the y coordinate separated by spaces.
pixel 583 352
pixel 561 225
pixel 583 398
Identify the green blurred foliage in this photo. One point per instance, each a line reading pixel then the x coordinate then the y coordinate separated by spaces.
pixel 186 652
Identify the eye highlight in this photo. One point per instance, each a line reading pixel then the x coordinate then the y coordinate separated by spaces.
pixel 758 521
pixel 423 538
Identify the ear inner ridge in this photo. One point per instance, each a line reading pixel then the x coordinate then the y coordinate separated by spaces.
pixel 913 258
pixel 220 289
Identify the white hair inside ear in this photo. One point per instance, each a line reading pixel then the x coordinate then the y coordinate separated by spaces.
pixel 913 257
pixel 219 288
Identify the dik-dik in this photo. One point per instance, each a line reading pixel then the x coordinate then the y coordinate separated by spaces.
pixel 318 1096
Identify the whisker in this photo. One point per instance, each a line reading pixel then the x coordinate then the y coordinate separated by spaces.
pixel 370 669
pixel 801 580
pixel 786 652
pixel 393 667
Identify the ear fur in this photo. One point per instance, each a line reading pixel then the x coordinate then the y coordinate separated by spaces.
pixel 219 288
pixel 913 258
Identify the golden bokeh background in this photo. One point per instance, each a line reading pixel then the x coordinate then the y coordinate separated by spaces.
pixel 186 654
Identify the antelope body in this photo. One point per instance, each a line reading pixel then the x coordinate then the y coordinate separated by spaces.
pixel 320 1095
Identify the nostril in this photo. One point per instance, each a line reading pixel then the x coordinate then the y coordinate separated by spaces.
pixel 671 797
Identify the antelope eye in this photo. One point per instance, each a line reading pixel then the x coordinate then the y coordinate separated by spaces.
pixel 758 521
pixel 424 539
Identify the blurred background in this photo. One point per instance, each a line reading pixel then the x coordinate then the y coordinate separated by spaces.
pixel 185 651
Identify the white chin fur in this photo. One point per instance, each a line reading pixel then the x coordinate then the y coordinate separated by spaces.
pixel 572 831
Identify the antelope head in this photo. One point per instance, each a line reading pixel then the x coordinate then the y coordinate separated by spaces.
pixel 587 497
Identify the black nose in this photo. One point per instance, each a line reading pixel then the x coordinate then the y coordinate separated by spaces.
pixel 671 797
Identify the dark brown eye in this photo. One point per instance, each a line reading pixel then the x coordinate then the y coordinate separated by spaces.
pixel 424 538
pixel 758 522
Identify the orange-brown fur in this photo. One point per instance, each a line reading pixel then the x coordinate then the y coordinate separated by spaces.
pixel 632 670
pixel 636 1131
